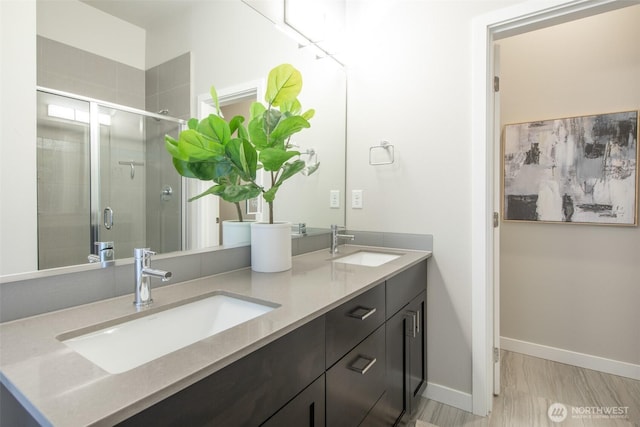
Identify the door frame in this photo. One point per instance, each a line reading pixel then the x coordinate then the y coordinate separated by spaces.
pixel 486 29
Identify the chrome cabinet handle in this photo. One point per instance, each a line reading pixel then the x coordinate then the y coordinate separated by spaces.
pixel 362 364
pixel 362 313
pixel 108 218
pixel 414 328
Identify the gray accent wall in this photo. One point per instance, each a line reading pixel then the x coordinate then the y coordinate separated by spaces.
pixel 73 70
pixel 568 286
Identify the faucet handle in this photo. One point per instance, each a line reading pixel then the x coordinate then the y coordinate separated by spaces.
pixel 142 253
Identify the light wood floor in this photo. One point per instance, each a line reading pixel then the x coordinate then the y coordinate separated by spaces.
pixel 530 385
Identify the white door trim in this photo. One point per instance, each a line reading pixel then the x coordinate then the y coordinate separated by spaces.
pixel 486 29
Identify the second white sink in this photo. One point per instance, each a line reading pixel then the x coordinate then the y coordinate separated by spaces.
pixel 368 258
pixel 127 345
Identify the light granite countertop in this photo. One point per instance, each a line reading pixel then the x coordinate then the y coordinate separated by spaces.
pixel 61 388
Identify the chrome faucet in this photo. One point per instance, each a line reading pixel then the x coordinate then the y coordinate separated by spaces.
pixel 335 238
pixel 143 274
pixel 105 254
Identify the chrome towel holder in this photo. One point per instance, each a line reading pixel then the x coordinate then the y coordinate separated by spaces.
pixel 383 146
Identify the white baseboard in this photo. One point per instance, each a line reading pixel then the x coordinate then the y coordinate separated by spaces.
pixel 568 357
pixel 448 396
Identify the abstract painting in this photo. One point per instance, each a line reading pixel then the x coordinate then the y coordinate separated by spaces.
pixel 572 170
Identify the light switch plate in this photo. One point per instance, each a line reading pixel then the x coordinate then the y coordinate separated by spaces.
pixel 334 199
pixel 356 199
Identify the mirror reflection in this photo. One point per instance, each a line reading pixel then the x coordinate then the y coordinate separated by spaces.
pixel 113 181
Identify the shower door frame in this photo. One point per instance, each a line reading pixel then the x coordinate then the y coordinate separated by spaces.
pixel 95 210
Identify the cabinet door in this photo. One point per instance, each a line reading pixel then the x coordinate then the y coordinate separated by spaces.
pixel 397 397
pixel 417 367
pixel 305 410
pixel 406 359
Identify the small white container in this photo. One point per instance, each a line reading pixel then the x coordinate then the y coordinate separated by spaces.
pixel 235 232
pixel 270 247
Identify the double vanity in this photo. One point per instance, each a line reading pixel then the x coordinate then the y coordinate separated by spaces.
pixel 338 340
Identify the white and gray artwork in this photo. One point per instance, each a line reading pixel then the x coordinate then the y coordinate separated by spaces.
pixel 576 170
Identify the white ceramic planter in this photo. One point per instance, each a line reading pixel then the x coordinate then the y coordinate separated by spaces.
pixel 236 233
pixel 270 247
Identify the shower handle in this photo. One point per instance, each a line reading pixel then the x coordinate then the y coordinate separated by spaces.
pixel 108 218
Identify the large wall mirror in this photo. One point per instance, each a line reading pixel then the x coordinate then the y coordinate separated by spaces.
pixel 161 57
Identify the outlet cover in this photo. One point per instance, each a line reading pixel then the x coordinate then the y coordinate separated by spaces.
pixel 334 199
pixel 356 199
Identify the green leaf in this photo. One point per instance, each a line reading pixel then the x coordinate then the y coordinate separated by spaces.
pixel 292 107
pixel 216 128
pixel 271 119
pixel 289 170
pixel 283 85
pixel 244 157
pixel 216 190
pixel 192 123
pixel 307 115
pixel 239 193
pixel 256 110
pixel 272 158
pixel 171 146
pixel 235 124
pixel 195 146
pixel 288 127
pixel 257 134
pixel 182 167
pixel 214 98
pixel 270 195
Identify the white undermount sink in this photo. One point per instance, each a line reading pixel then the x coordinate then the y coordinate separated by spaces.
pixel 126 345
pixel 368 258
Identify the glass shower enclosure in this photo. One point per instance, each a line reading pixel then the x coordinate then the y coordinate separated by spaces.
pixel 104 175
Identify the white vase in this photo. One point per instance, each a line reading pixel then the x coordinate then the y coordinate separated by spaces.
pixel 235 232
pixel 270 247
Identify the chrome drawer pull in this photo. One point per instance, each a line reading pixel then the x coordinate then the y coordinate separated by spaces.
pixel 362 313
pixel 362 365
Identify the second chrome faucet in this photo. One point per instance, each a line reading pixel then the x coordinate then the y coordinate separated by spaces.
pixel 335 236
pixel 143 274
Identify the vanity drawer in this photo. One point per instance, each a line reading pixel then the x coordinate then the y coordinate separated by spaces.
pixel 404 286
pixel 356 382
pixel 351 322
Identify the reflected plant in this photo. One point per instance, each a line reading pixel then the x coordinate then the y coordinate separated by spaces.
pixel 230 154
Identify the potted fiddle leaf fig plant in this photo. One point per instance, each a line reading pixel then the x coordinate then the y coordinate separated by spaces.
pixel 230 155
pixel 270 129
pixel 208 151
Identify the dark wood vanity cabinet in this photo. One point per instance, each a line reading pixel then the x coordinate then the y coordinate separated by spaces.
pixel 406 345
pixel 306 410
pixel 249 391
pixel 361 364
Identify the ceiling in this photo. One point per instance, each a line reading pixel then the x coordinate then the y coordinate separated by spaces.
pixel 142 13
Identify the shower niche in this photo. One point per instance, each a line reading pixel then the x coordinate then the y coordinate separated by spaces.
pixel 104 175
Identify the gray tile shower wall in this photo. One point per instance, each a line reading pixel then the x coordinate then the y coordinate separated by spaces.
pixel 168 87
pixel 32 295
pixel 73 70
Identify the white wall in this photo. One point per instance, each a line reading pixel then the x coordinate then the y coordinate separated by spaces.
pixel 409 83
pixel 573 287
pixel 79 25
pixel 18 236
